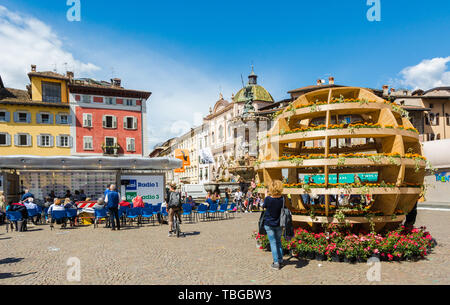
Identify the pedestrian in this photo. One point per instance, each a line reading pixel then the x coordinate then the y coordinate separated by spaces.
pixel 76 196
pixel 173 207
pixel 21 226
pixel 68 195
pixel 2 202
pixel 411 217
pixel 113 207
pixel 52 195
pixel 273 204
pixel 100 204
pixel 238 199
pixel 82 195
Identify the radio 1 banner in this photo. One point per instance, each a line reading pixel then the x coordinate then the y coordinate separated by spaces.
pixel 149 187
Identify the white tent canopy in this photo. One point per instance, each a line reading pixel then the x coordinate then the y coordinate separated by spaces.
pixel 438 153
pixel 87 163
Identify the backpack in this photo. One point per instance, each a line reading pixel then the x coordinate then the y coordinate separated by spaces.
pixel 286 221
pixel 174 200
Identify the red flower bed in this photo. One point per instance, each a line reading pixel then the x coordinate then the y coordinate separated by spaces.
pixel 401 244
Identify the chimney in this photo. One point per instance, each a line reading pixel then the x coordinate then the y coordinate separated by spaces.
pixel 116 82
pixel 33 68
pixel 392 90
pixel 331 80
pixel 319 82
pixel 385 90
pixel 70 75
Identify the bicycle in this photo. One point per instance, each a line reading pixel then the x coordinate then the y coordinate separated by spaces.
pixel 176 224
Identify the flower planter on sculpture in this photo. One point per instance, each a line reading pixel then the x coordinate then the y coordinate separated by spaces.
pixel 353 133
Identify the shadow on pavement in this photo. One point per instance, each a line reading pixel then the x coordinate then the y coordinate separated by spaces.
pixel 10 260
pixel 10 275
pixel 193 233
pixel 299 263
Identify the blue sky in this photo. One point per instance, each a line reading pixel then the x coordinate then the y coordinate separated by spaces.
pixel 185 52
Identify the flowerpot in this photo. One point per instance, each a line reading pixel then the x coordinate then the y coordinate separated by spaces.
pixel 361 260
pixel 377 256
pixel 350 260
pixel 320 257
pixel 335 258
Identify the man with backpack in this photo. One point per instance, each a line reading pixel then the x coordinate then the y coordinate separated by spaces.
pixel 174 205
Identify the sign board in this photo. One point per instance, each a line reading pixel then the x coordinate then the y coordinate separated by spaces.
pixel 150 187
pixel 343 178
pixel 183 155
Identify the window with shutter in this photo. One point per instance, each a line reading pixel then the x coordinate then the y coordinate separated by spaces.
pixel 3 139
pixel 87 120
pixel 135 123
pixel 4 116
pixel 22 117
pixel 87 143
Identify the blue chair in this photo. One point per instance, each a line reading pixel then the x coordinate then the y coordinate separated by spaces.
pixel 134 213
pixel 99 214
pixel 164 212
pixel 147 205
pixel 32 213
pixel 187 211
pixel 223 209
pixel 13 217
pixel 202 210
pixel 72 214
pixel 123 213
pixel 58 215
pixel 148 213
pixel 46 213
pixel 230 210
pixel 212 210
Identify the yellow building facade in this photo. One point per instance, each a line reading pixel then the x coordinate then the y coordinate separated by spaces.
pixel 36 121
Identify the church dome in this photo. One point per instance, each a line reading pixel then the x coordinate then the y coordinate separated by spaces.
pixel 259 92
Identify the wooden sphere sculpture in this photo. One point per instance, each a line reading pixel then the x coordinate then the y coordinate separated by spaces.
pixel 348 156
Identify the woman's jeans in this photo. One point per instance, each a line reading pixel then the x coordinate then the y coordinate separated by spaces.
pixel 274 235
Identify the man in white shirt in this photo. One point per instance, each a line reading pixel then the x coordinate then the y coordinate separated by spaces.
pixel 238 199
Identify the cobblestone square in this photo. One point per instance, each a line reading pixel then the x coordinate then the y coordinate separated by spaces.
pixel 212 252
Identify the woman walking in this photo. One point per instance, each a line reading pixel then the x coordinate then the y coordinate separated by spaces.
pixel 273 203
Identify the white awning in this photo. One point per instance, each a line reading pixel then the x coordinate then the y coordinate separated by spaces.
pixel 87 163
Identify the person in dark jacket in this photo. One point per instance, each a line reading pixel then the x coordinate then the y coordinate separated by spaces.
pixel 273 203
pixel 113 199
pixel 26 195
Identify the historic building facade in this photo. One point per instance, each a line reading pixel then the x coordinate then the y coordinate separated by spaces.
pixel 36 121
pixel 109 119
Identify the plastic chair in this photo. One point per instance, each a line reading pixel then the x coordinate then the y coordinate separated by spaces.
pixel 57 215
pixel 99 214
pixel 201 210
pixel 123 213
pixel 147 205
pixel 212 209
pixel 223 209
pixel 134 213
pixel 13 217
pixel 187 211
pixel 148 213
pixel 231 210
pixel 72 213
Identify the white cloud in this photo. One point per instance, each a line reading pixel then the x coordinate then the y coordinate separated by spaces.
pixel 26 40
pixel 427 74
pixel 181 92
